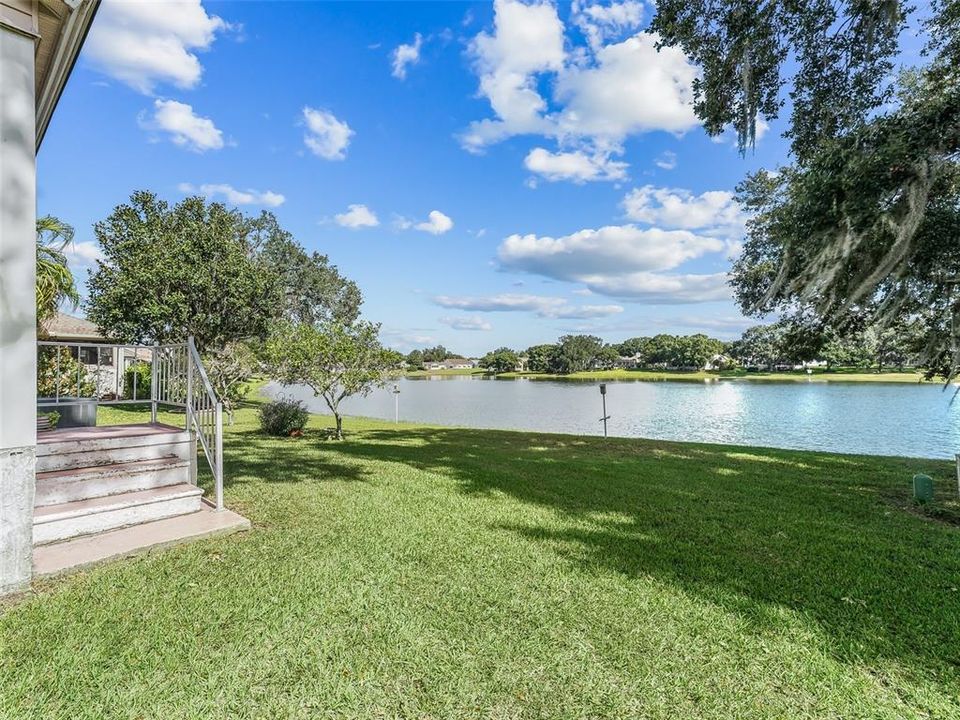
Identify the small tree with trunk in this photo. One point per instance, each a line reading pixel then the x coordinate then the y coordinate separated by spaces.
pixel 333 359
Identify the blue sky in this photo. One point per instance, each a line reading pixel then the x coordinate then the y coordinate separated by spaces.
pixel 517 173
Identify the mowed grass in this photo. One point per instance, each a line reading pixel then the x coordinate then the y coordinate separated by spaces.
pixel 417 572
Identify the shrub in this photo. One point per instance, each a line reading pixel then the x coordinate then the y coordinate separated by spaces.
pixel 283 417
pixel 53 417
pixel 141 371
pixel 58 373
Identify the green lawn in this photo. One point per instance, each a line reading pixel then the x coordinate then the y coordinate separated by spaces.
pixel 415 572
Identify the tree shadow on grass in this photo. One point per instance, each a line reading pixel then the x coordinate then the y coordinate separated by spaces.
pixel 752 530
pixel 252 456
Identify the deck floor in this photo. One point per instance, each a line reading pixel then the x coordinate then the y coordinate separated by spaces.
pixel 105 432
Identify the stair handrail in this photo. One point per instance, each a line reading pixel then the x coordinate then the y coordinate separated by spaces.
pixel 205 417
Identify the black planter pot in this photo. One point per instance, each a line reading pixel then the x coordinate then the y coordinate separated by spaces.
pixel 74 412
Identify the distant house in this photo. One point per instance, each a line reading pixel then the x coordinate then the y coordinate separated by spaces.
pixel 450 364
pixel 719 362
pixel 629 362
pixel 82 339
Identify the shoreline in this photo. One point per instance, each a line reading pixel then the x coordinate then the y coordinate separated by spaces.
pixel 699 376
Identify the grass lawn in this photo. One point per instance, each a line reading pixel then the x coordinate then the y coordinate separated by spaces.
pixel 416 572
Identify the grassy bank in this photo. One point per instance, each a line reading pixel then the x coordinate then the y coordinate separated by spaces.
pixel 701 376
pixel 417 572
pixel 452 371
pixel 843 375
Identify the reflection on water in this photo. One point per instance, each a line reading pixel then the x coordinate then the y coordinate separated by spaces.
pixel 869 418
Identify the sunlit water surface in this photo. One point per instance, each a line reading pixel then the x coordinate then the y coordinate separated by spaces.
pixel 866 418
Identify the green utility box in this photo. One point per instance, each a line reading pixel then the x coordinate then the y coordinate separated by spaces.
pixel 922 488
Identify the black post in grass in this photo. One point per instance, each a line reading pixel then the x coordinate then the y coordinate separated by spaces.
pixel 603 397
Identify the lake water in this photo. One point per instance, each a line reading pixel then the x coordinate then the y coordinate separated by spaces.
pixel 867 418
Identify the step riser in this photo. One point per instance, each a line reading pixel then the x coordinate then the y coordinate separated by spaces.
pixel 79 455
pixel 48 532
pixel 52 491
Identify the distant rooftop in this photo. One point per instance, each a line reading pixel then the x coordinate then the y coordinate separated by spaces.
pixel 67 327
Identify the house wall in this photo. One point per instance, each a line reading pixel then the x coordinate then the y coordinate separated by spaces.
pixel 22 15
pixel 17 308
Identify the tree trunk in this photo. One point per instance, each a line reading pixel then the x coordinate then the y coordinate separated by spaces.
pixel 339 431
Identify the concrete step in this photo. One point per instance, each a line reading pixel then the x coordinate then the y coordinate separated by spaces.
pixel 86 517
pixel 86 447
pixel 83 552
pixel 69 485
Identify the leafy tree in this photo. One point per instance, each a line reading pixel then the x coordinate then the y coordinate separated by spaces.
pixel 438 354
pixel 415 359
pixel 696 350
pixel 635 347
pixel 759 345
pixel 500 360
pixel 850 350
pixel 577 353
pixel 191 269
pixel 607 357
pixel 229 369
pixel 542 358
pixel 663 350
pixel 334 360
pixel 896 345
pixel 841 56
pixel 55 284
pixel 867 219
pixel 314 291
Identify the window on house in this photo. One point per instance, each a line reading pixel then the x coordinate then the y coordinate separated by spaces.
pixel 89 354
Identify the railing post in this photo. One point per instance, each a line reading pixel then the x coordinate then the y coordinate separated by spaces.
pixel 218 468
pixel 189 400
pixel 153 384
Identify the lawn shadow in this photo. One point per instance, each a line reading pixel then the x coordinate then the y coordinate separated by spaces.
pixel 752 530
pixel 252 456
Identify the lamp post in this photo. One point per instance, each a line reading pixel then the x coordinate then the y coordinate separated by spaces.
pixel 396 403
pixel 603 397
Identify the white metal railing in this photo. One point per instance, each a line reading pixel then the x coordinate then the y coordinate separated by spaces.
pixel 177 379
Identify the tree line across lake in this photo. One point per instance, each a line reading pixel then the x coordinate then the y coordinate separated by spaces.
pixel 784 344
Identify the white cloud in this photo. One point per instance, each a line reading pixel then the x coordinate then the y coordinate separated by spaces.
pixel 326 136
pixel 267 198
pixel 83 254
pixel 601 94
pixel 407 339
pixel 143 44
pixel 185 128
pixel 467 323
pixel 576 166
pixel 615 249
pixel 527 39
pixel 586 312
pixel 663 288
pixel 622 261
pixel 404 55
pixel 436 224
pixel 543 306
pixel 601 22
pixel 667 160
pixel 714 212
pixel 632 88
pixel 357 216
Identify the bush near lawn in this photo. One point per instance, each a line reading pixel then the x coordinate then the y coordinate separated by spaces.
pixel 283 417
pixel 419 572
